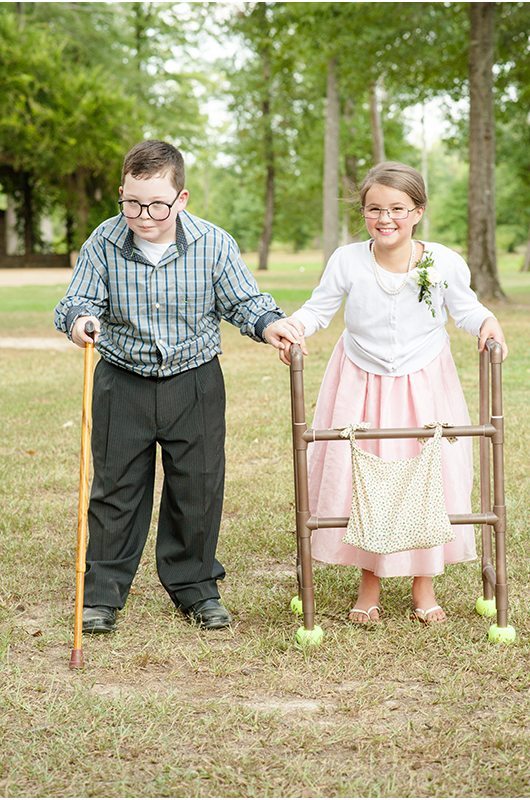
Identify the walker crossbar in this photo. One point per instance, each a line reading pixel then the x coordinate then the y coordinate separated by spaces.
pixel 332 435
pixel 314 523
pixel 492 518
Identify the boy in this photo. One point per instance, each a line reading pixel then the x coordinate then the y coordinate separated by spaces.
pixel 156 281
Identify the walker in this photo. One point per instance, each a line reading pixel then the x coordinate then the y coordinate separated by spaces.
pixel 494 600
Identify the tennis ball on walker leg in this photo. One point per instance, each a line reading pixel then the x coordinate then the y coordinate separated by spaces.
pixel 306 638
pixel 498 635
pixel 297 606
pixel 486 608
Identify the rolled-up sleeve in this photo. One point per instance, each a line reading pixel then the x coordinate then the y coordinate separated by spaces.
pixel 87 294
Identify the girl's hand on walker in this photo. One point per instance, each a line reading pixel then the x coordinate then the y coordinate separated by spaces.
pixel 282 334
pixel 492 330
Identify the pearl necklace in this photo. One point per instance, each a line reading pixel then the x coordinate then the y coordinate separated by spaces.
pixel 376 267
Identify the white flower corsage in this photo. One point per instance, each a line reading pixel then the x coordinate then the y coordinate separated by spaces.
pixel 427 276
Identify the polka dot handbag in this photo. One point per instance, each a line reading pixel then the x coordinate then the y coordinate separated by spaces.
pixel 397 505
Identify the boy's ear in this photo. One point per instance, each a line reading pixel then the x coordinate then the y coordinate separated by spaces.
pixel 184 196
pixel 120 191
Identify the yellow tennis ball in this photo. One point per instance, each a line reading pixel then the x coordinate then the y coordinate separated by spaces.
pixel 499 635
pixel 486 608
pixel 296 606
pixel 312 638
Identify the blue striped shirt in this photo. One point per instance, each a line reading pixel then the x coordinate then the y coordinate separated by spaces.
pixel 161 320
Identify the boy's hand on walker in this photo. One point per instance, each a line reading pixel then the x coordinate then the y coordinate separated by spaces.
pixel 78 336
pixel 492 330
pixel 284 332
pixel 285 352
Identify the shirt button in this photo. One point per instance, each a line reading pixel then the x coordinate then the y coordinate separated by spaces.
pixel 157 305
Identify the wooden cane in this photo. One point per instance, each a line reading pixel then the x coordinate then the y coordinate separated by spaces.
pixel 76 658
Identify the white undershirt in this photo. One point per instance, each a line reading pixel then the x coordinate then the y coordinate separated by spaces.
pixel 151 250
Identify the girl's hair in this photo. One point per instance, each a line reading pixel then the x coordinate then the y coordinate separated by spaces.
pixel 398 176
pixel 153 157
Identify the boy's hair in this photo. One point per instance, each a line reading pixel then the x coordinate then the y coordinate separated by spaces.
pixel 154 157
pixel 398 176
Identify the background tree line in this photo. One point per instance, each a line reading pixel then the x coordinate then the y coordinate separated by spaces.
pixel 279 109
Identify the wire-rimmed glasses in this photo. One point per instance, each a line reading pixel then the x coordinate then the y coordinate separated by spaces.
pixel 394 212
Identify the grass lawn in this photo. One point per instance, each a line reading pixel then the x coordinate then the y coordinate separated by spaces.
pixel 397 710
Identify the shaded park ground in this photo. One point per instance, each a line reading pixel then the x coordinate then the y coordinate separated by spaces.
pixel 162 710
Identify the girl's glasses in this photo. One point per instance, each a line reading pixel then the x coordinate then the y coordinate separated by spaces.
pixel 395 212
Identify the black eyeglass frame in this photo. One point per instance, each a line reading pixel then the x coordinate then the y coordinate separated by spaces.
pixel 146 206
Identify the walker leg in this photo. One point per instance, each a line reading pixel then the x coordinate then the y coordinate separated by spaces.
pixel 308 634
pixel 501 631
pixel 485 605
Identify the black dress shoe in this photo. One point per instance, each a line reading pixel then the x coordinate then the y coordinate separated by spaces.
pixel 99 619
pixel 209 614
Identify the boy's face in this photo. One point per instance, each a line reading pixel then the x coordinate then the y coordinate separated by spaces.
pixel 149 190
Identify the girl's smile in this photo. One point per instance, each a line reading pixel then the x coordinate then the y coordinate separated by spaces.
pixel 391 234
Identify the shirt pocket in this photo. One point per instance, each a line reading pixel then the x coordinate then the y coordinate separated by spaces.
pixel 194 300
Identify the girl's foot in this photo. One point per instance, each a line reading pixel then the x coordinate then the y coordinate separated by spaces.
pixel 426 609
pixel 366 608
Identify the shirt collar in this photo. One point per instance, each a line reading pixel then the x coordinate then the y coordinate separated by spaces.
pixel 188 229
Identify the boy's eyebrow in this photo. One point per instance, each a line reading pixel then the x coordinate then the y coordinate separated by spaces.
pixel 156 199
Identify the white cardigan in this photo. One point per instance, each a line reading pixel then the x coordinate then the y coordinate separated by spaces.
pixel 392 334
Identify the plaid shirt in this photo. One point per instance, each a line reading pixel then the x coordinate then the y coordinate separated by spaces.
pixel 161 320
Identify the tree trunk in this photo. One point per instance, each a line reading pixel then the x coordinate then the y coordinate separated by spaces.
pixel 350 179
pixel 526 262
pixel 27 214
pixel 331 164
pixel 268 147
pixel 481 203
pixel 69 231
pixel 425 221
pixel 78 200
pixel 378 139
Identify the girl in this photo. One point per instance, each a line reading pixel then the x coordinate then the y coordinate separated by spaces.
pixel 393 367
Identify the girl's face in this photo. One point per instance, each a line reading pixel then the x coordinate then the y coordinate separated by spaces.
pixel 390 233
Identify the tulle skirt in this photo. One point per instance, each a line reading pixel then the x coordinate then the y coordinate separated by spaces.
pixel 349 394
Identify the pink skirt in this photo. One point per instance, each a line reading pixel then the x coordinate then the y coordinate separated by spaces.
pixel 349 394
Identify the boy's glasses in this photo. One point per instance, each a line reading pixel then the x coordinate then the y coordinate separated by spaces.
pixel 395 212
pixel 132 209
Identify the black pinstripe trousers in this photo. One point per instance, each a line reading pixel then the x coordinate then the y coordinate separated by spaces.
pixel 185 414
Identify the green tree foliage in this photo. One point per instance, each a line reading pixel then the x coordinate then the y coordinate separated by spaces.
pixel 81 83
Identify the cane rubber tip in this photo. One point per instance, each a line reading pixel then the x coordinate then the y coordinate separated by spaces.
pixel 486 608
pixel 76 660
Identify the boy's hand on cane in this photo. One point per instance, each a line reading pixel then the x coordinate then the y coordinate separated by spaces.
pixel 492 330
pixel 282 334
pixel 79 336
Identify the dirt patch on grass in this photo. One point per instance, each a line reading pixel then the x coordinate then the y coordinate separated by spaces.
pixel 35 277
pixel 58 342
